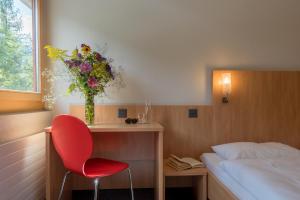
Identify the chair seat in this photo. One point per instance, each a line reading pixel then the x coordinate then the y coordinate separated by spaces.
pixel 100 167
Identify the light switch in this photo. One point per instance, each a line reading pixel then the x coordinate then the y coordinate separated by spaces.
pixel 193 113
pixel 122 113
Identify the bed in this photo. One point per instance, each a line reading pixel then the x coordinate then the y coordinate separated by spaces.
pixel 218 176
pixel 255 178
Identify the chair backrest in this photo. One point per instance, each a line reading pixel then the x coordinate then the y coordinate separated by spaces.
pixel 72 140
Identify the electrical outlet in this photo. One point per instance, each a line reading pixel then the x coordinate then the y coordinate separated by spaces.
pixel 122 113
pixel 193 113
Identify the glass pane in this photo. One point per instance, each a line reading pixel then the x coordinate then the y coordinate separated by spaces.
pixel 17 71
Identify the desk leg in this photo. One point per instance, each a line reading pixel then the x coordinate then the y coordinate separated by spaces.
pixel 159 167
pixel 54 173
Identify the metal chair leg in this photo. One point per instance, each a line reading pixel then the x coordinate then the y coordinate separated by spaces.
pixel 96 183
pixel 131 185
pixel 63 184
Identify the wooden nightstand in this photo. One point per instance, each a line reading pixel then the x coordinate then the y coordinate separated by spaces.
pixel 199 175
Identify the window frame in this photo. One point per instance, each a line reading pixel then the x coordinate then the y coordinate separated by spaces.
pixel 12 101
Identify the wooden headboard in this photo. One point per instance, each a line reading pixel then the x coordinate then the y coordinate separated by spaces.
pixel 263 106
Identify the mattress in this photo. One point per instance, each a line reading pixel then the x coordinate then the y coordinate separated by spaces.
pixel 212 162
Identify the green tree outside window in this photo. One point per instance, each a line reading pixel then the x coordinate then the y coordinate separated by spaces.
pixel 16 54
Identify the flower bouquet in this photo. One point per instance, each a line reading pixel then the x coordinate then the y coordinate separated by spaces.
pixel 90 73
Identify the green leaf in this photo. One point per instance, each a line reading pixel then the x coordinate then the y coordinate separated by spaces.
pixel 74 53
pixel 71 88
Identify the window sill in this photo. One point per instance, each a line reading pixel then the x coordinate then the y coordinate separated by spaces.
pixel 25 112
pixel 14 101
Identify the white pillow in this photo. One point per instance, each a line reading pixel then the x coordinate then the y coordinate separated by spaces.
pixel 237 150
pixel 276 150
pixel 252 150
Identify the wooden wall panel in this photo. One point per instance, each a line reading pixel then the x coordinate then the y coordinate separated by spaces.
pixel 14 126
pixel 183 136
pixel 104 113
pixel 22 168
pixel 264 106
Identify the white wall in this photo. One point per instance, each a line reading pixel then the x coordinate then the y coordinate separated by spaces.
pixel 169 47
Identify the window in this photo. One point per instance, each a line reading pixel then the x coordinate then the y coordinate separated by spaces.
pixel 19 55
pixel 18 60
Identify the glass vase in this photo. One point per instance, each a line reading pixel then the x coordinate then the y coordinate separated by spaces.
pixel 89 109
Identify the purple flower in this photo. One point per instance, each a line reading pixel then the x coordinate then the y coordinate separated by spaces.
pixel 92 82
pixel 76 63
pixel 72 63
pixel 68 62
pixel 85 67
pixel 79 55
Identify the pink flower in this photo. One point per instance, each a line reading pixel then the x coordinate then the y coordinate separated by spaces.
pixel 92 82
pixel 85 67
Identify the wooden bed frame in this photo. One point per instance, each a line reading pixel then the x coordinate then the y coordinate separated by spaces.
pixel 217 190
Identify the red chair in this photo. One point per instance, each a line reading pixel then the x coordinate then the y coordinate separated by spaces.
pixel 73 142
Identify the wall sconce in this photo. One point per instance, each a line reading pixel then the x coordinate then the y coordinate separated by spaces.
pixel 226 86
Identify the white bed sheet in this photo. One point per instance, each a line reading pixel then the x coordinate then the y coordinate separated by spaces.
pixel 274 179
pixel 212 162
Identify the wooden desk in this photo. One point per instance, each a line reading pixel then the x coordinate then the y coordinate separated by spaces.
pixel 55 169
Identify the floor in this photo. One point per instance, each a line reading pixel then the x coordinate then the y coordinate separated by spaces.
pixel 140 194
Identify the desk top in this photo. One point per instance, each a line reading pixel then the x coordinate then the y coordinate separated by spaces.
pixel 118 127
